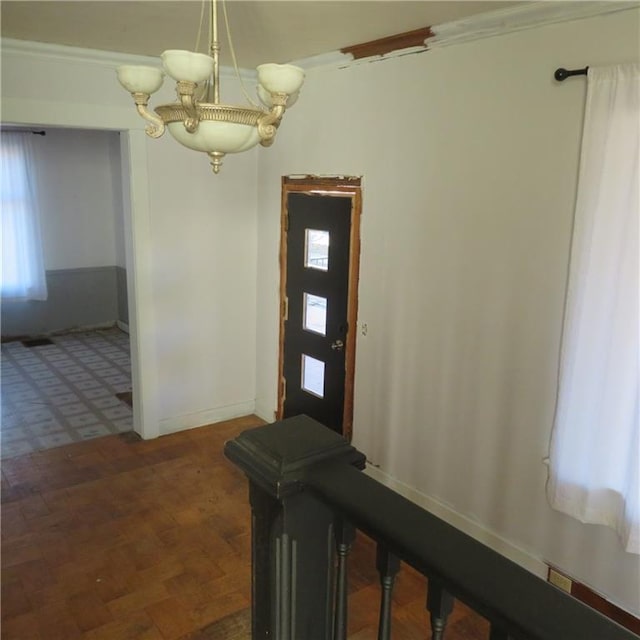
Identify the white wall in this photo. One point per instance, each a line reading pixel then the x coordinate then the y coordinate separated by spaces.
pixel 78 205
pixel 204 275
pixel 469 157
pixel 190 240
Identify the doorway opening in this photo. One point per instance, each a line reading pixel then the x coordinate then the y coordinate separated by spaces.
pixel 319 269
pixel 74 381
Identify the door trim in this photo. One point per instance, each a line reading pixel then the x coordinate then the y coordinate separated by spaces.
pixel 327 186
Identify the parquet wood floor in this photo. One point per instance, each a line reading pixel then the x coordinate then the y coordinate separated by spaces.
pixel 120 539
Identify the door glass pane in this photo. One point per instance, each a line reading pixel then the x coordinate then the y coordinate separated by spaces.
pixel 316 250
pixel 313 375
pixel 315 314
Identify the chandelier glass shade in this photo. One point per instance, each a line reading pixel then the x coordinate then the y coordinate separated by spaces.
pixel 197 119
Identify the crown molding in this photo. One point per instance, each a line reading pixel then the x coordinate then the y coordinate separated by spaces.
pixel 108 59
pixel 525 15
pixel 331 59
pixel 519 17
pixel 76 54
pixel 382 46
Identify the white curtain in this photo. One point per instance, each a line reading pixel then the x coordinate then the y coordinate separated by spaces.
pixel 23 274
pixel 595 448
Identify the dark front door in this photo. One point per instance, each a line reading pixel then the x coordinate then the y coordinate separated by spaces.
pixel 317 301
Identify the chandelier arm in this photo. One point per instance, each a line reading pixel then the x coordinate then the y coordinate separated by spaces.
pixel 186 91
pixel 156 127
pixel 268 124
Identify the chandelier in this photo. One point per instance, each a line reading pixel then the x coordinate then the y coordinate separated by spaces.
pixel 197 119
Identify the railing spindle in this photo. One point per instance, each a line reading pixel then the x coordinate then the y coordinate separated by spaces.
pixel 439 605
pixel 345 535
pixel 388 566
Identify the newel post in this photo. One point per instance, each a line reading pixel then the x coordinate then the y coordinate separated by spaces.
pixel 293 546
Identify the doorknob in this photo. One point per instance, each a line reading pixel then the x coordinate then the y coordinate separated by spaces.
pixel 338 345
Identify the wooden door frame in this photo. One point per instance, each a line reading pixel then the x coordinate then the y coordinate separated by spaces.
pixel 329 186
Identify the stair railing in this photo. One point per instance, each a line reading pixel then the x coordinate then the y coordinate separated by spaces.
pixel 308 496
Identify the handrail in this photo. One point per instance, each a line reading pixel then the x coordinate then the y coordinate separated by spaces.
pixel 307 492
pixel 489 583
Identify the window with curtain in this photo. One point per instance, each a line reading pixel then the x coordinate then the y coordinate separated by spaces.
pixel 23 274
pixel 595 445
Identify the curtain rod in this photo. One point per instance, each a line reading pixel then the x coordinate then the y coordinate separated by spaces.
pixel 36 132
pixel 562 74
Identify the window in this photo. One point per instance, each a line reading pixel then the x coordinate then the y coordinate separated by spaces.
pixel 316 252
pixel 314 310
pixel 595 446
pixel 23 275
pixel 312 376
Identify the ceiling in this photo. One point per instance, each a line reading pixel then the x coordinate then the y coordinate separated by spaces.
pixel 263 30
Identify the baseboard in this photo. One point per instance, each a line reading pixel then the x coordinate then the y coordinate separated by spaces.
pixel 461 522
pixel 594 600
pixel 122 326
pixel 59 332
pixel 208 416
pixel 265 411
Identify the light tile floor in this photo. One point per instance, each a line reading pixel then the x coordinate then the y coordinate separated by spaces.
pixel 65 392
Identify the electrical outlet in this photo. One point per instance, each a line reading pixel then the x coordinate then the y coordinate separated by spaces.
pixel 364 328
pixel 560 581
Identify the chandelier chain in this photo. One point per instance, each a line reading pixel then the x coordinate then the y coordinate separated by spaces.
pixel 233 56
pixel 199 33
